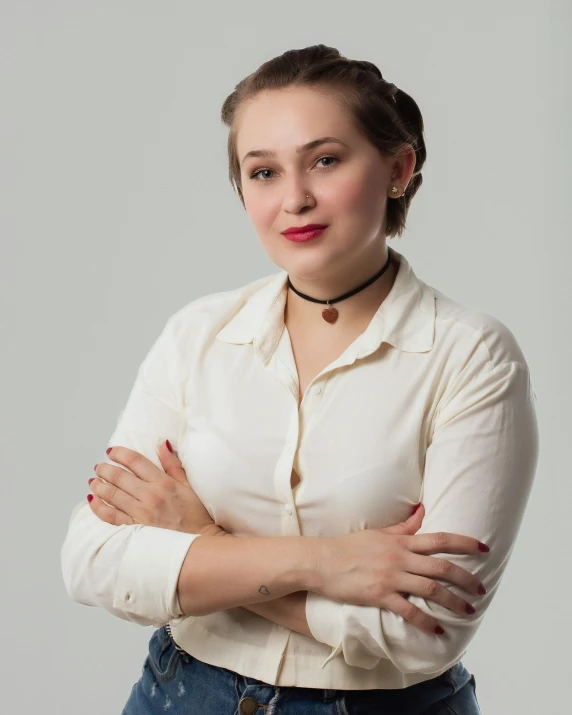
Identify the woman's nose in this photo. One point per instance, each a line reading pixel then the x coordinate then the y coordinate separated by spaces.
pixel 296 197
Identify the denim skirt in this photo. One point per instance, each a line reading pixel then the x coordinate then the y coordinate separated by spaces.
pixel 174 681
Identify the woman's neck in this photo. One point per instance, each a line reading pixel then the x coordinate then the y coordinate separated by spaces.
pixel 355 313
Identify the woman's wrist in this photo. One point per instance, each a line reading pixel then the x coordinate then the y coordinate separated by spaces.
pixel 216 575
pixel 309 551
pixel 287 611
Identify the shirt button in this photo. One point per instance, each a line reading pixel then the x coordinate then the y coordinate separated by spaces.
pixel 287 508
pixel 317 390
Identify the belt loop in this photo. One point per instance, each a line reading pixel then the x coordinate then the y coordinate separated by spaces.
pixel 330 695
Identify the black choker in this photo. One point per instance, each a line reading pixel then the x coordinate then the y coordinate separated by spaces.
pixel 330 315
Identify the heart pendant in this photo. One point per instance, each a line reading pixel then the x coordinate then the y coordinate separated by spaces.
pixel 330 314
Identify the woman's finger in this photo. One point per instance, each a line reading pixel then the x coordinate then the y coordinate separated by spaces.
pixel 135 462
pixel 115 496
pixel 434 568
pixel 432 590
pixel 127 482
pixel 410 525
pixel 171 462
pixel 108 513
pixel 409 612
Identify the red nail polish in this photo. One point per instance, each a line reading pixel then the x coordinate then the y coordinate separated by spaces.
pixel 483 547
pixel 439 631
pixel 89 481
pixel 415 508
pixel 469 608
pixel 108 450
pixel 89 497
pixel 169 446
pixel 482 590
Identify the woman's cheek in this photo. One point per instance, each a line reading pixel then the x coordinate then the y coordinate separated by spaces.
pixel 258 214
pixel 261 210
pixel 351 194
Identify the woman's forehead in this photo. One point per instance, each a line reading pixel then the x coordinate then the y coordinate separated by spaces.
pixel 280 120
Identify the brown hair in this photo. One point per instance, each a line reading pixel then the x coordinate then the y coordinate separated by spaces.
pixel 387 115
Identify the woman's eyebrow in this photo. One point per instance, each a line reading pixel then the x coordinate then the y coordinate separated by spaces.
pixel 299 149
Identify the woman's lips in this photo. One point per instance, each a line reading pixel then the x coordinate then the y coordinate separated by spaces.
pixel 301 236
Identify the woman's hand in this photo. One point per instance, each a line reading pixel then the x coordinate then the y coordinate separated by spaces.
pixel 149 496
pixel 381 567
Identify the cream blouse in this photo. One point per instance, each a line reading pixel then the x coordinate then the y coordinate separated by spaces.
pixel 433 402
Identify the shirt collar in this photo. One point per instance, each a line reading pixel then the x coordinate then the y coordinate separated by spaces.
pixel 405 318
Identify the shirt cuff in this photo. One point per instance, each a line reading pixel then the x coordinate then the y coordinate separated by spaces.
pixel 149 573
pixel 324 618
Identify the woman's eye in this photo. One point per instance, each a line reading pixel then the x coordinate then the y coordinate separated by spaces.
pixel 257 174
pixel 327 157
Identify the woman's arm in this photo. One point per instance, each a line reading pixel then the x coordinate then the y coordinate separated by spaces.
pixel 479 470
pixel 130 571
pixel 133 571
pixel 225 571
pixel 288 611
pixel 136 572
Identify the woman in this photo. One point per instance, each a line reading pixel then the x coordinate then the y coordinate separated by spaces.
pixel 308 412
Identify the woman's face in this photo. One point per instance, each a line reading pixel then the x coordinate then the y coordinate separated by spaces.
pixel 347 185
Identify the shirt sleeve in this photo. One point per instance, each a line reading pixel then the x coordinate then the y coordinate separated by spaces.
pixel 478 474
pixel 132 571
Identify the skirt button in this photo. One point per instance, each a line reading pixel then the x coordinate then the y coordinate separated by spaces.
pixel 248 706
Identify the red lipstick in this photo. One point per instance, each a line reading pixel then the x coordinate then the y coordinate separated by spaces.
pixel 304 233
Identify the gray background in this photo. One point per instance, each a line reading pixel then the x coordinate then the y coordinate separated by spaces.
pixel 116 210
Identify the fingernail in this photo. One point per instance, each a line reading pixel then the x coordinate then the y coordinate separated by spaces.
pixel 89 497
pixel 483 547
pixel 89 481
pixel 439 631
pixel 95 466
pixel 169 446
pixel 469 608
pixel 482 590
pixel 108 450
pixel 415 508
